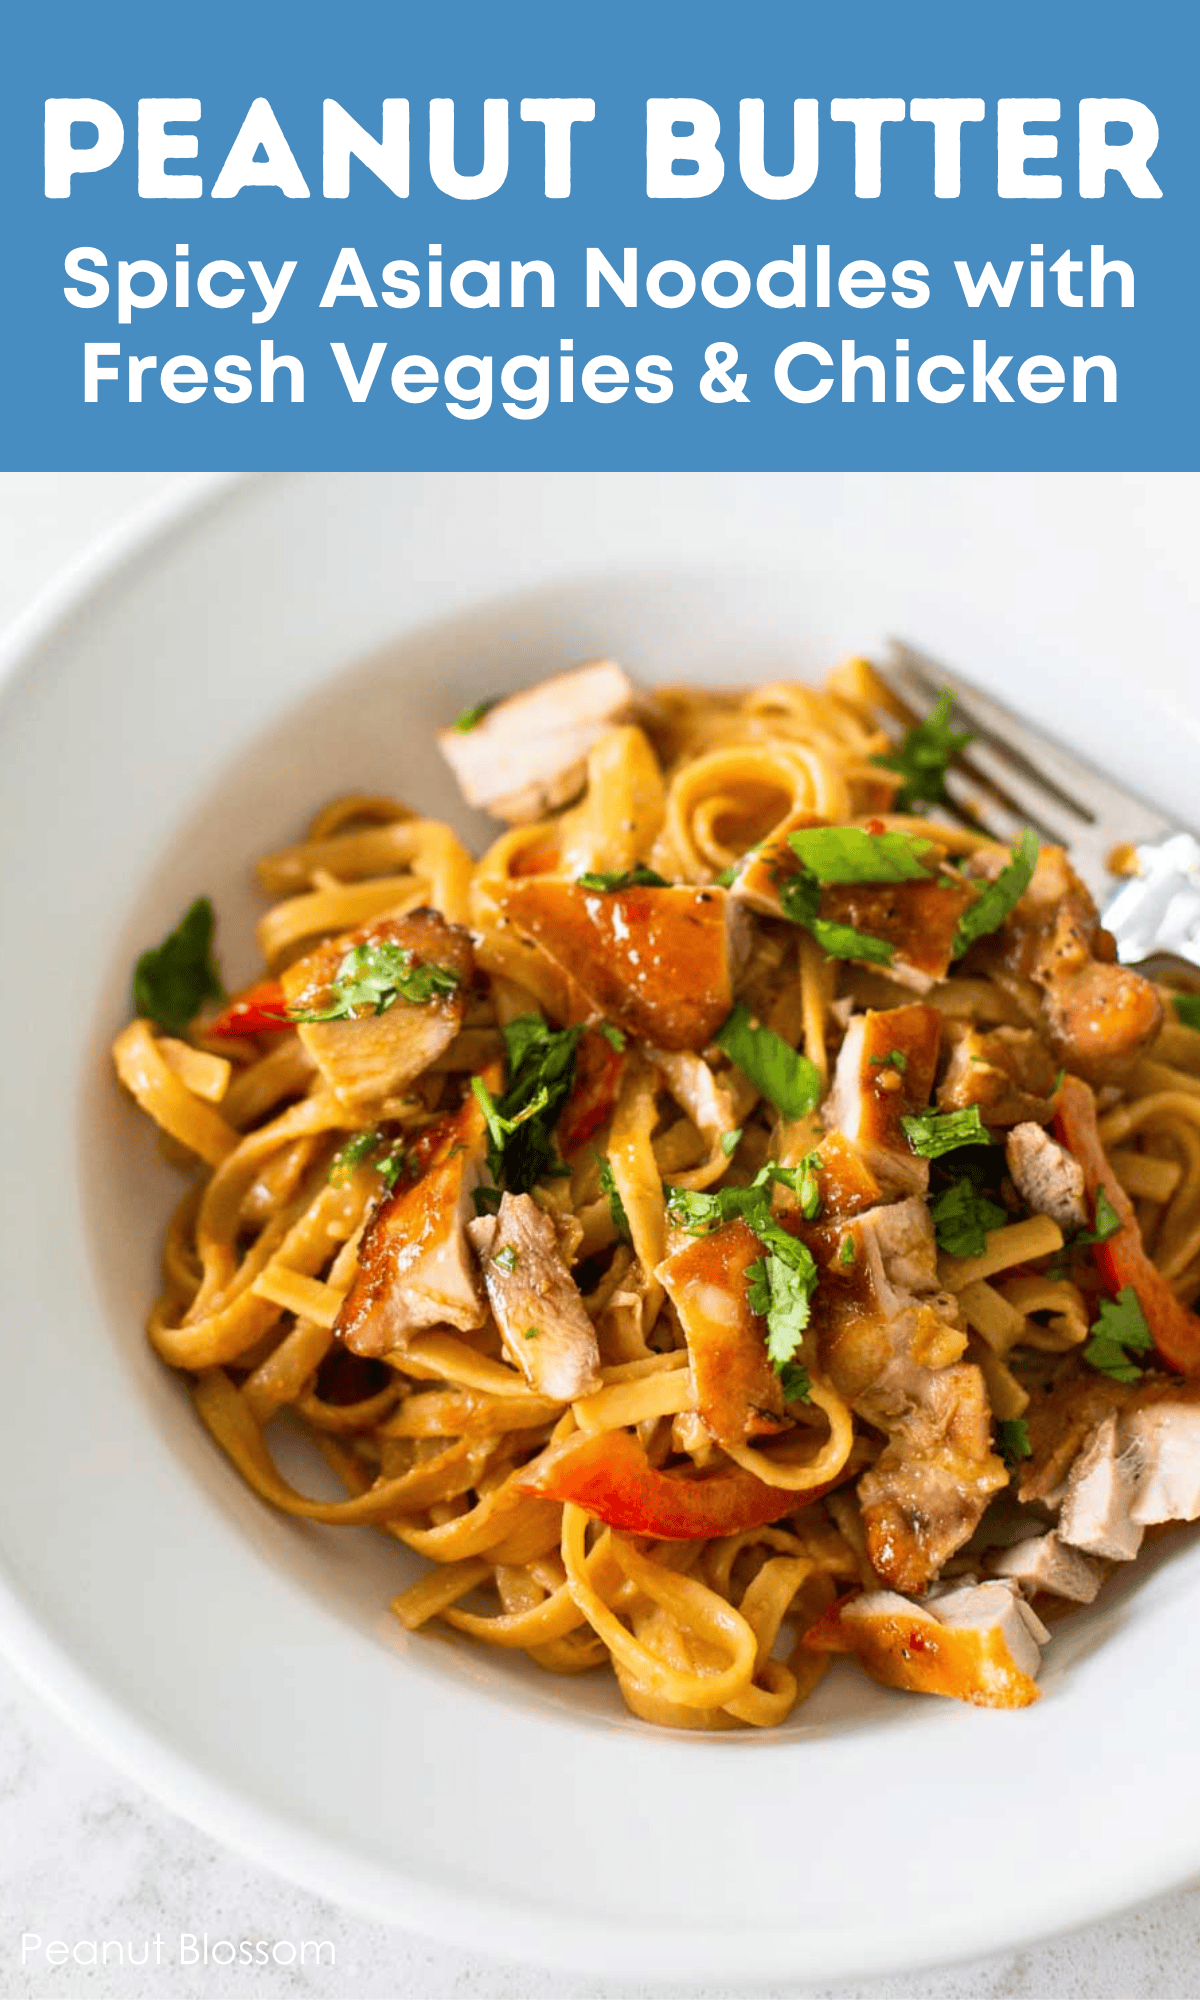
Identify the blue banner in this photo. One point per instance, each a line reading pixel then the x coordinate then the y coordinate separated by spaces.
pixel 643 236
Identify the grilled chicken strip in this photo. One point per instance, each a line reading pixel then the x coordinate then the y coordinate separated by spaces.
pixel 891 1344
pixel 537 1304
pixel 884 1073
pixel 1053 956
pixel 657 963
pixel 528 754
pixel 374 1056
pixel 414 1265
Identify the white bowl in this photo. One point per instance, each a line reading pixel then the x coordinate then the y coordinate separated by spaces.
pixel 296 637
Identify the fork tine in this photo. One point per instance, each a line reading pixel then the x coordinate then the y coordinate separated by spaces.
pixel 1020 752
pixel 999 798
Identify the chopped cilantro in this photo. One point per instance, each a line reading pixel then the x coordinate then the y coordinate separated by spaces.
pixel 730 1141
pixel 847 1255
pixel 172 980
pixel 1000 897
pixel 616 1206
pixel 353 1153
pixel 800 902
pixel 789 1080
pixel 1119 1329
pixel 962 1217
pixel 375 976
pixel 1012 1440
pixel 532 1333
pixel 638 877
pixel 793 1380
pixel 894 1059
pixel 1187 1008
pixel 922 757
pixel 1106 1224
pixel 932 1133
pixel 361 1148
pixel 508 1257
pixel 470 718
pixel 850 854
pixel 697 1212
pixel 541 1071
pixel 615 1037
pixel 727 876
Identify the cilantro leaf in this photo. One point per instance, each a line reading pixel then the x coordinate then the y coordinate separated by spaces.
pixel 1119 1330
pixel 1107 1222
pixel 800 903
pixel 1187 1008
pixel 508 1258
pixel 171 981
pixel 376 976
pixel 730 1141
pixel 923 755
pixel 851 854
pixel 638 877
pixel 616 1206
pixel 615 1037
pixel 932 1133
pixel 789 1080
pixel 471 717
pixel 1012 1440
pixel 847 1255
pixel 962 1217
pixel 541 1070
pixel 894 1059
pixel 793 1380
pixel 1000 897
pixel 361 1148
pixel 727 876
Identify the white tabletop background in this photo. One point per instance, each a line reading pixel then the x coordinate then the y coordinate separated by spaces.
pixel 88 1856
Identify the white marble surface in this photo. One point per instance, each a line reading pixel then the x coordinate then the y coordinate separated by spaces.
pixel 88 1857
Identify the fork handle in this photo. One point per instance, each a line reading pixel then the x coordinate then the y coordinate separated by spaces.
pixel 1158 909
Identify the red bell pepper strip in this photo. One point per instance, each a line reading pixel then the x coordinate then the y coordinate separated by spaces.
pixel 1122 1260
pixel 261 1009
pixel 610 1475
pixel 590 1105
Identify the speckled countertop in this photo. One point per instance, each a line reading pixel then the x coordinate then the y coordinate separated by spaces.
pixel 88 1857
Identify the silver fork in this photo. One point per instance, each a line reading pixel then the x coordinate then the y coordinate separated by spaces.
pixel 1011 777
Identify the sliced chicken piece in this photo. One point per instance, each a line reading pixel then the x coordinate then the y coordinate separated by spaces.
pixel 845 1183
pixel 1065 1407
pixel 537 1304
pixel 884 1322
pixel 918 919
pixel 884 1073
pixel 980 1643
pixel 927 1491
pixel 891 1344
pixel 528 754
pixel 1162 1443
pixel 694 1087
pixel 1047 1177
pixel 414 1264
pixel 1097 1506
pixel 1047 1563
pixel 1008 1072
pixel 657 963
pixel 738 1395
pixel 374 1056
pixel 1098 1015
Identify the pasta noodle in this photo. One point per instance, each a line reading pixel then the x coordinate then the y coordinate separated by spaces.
pixel 723 1222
